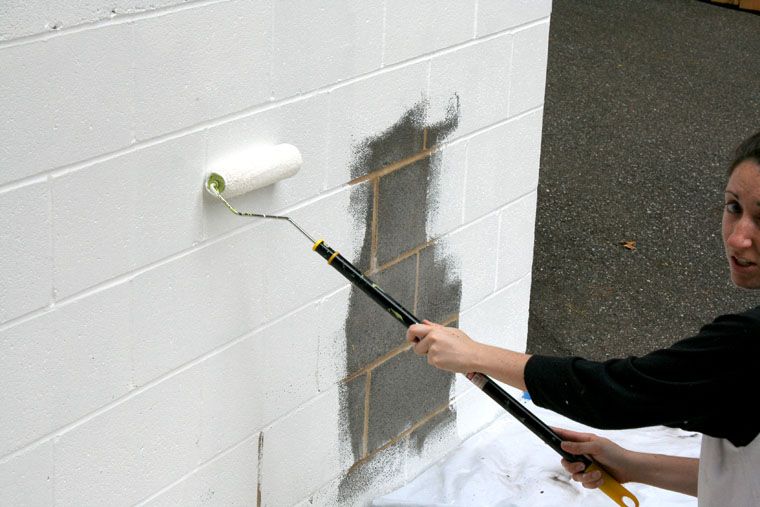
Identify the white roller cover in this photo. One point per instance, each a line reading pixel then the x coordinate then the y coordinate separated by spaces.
pixel 257 167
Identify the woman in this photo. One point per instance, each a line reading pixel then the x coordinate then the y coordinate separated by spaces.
pixel 706 383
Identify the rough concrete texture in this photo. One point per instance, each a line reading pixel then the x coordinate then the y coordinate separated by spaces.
pixel 402 211
pixel 361 206
pixel 373 333
pixel 438 294
pixel 400 141
pixel 440 130
pixel 355 392
pixel 446 418
pixel 403 390
pixel 644 102
pixel 368 476
pixel 403 201
pixel 370 332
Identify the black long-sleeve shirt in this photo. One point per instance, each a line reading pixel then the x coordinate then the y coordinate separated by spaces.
pixel 707 383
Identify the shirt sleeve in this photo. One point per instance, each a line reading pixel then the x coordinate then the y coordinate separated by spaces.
pixel 694 384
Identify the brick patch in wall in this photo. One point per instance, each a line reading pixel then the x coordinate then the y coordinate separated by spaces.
pixel 390 391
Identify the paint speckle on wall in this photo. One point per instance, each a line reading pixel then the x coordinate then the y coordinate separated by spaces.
pixel 392 399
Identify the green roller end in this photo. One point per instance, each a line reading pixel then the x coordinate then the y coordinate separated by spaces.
pixel 215 183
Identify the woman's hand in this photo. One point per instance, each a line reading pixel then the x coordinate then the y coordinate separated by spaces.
pixel 446 348
pixel 450 349
pixel 616 460
pixel 676 473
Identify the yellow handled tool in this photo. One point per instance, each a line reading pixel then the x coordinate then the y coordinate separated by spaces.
pixel 612 488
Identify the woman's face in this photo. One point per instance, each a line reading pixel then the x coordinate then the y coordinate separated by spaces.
pixel 741 224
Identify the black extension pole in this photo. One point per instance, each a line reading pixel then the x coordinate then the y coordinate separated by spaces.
pixel 610 487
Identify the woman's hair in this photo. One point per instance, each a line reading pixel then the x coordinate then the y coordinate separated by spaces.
pixel 748 150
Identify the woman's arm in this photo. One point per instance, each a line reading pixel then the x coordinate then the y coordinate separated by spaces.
pixel 450 349
pixel 674 473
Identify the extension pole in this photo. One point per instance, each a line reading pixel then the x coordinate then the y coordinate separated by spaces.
pixel 610 486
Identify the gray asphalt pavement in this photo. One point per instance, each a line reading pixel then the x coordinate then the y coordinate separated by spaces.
pixel 645 101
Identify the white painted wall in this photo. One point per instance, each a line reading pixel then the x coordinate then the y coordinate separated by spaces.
pixel 150 340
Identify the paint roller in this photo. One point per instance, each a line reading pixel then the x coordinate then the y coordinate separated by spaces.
pixel 254 168
pixel 259 167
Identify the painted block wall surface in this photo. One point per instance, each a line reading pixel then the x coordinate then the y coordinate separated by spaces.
pixel 26 261
pixel 156 349
pixel 20 18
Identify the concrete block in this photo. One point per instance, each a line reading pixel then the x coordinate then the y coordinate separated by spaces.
pixel 529 61
pixel 229 479
pixel 441 128
pixel 496 15
pixel 417 28
pixel 403 390
pixel 380 473
pixel 28 122
pixel 25 250
pixel 259 379
pixel 26 479
pixel 317 45
pixel 62 365
pixel 445 199
pixel 431 441
pixel 331 330
pixel 116 216
pixel 187 307
pixel 472 253
pixel 297 275
pixel 197 302
pixel 371 331
pixel 368 129
pixel 301 124
pixel 135 448
pixel 353 411
pixel 201 63
pixel 19 19
pixel 479 76
pixel 403 139
pixel 86 110
pixel 308 445
pixel 516 233
pixel 502 164
pixel 361 207
pixel 502 319
pixel 402 210
pixel 439 290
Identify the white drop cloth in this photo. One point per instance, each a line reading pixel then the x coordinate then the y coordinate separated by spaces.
pixel 505 465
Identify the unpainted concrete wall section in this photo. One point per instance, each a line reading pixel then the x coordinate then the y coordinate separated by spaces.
pixel 389 389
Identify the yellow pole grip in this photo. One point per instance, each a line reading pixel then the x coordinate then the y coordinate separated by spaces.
pixel 613 489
